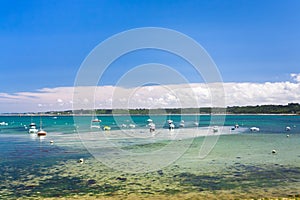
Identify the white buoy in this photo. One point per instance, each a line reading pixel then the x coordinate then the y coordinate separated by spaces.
pixel 81 160
pixel 51 141
pixel 287 135
pixel 287 128
pixel 273 151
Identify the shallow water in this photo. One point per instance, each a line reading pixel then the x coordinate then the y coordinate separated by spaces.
pixel 134 161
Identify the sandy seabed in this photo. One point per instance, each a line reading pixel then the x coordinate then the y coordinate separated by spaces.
pixel 197 196
pixel 252 172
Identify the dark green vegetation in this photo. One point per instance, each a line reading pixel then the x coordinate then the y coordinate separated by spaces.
pixel 57 183
pixel 241 176
pixel 291 108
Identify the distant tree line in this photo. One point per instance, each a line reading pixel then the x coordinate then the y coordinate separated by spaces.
pixel 291 108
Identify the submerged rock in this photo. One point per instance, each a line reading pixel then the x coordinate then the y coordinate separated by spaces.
pixel 121 178
pixel 91 182
pixel 160 172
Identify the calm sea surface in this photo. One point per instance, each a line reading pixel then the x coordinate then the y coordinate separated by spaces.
pixel 129 159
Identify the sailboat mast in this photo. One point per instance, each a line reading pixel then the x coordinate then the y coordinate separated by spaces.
pixel 41 123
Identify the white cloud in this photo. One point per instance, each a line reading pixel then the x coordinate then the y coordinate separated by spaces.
pixel 262 93
pixel 45 99
pixel 296 77
pixel 184 95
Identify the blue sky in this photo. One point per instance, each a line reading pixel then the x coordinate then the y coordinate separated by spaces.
pixel 43 43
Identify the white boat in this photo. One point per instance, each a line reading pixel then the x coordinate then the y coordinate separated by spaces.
pixel 95 123
pixel 3 123
pixel 171 126
pixel 131 125
pixel 151 127
pixel 254 129
pixel 181 123
pixel 32 128
pixel 287 128
pixel 149 120
pixel 215 129
pixel 95 126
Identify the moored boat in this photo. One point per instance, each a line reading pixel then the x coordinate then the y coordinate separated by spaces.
pixel 106 128
pixel 95 123
pixel 32 128
pixel 41 132
pixel 254 129
pixel 96 120
pixel 181 123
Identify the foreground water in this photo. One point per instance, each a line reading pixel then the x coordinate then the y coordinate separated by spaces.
pixel 133 161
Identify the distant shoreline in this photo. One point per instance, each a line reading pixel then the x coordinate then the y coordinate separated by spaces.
pixel 289 109
pixel 185 114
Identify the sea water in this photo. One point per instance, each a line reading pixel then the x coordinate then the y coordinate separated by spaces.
pixel 125 160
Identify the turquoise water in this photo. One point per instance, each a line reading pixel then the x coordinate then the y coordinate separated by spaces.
pixel 241 163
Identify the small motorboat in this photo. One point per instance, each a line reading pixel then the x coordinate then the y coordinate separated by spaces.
pixel 181 123
pixel 170 121
pixel 95 126
pixel 171 126
pixel 3 123
pixel 152 127
pixel 96 120
pixel 131 125
pixel 215 129
pixel 32 128
pixel 149 120
pixel 254 129
pixel 95 123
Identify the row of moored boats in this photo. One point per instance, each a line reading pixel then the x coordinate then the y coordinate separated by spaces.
pixel 95 124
